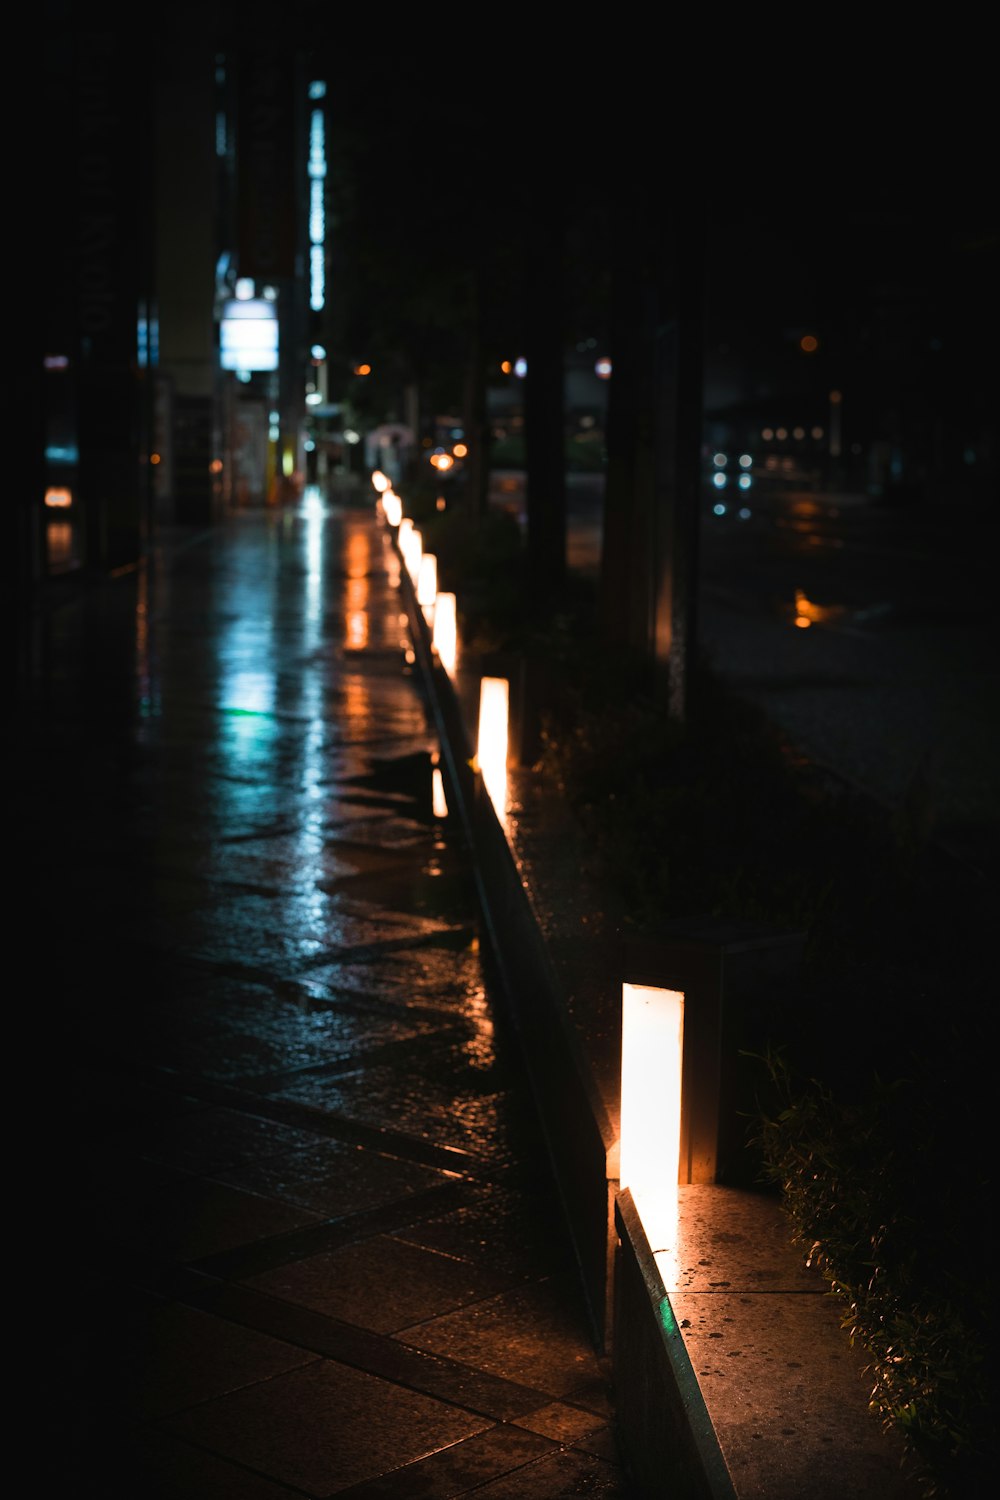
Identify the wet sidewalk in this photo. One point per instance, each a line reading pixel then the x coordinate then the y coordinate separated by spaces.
pixel 291 1226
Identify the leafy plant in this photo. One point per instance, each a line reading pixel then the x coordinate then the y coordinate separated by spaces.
pixel 852 1176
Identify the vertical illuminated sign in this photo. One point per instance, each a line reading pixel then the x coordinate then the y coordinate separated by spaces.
pixel 317 204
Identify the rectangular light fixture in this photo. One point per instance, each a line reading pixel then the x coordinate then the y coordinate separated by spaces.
pixel 412 547
pixel 650 1132
pixel 427 581
pixel 392 508
pixel 445 638
pixel 439 800
pixel 491 751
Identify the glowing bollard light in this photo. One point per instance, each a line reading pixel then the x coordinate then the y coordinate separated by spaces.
pixel 494 697
pixel 403 535
pixel 392 508
pixel 381 481
pixel 427 581
pixel 411 546
pixel 650 1134
pixel 439 800
pixel 415 551
pixel 445 638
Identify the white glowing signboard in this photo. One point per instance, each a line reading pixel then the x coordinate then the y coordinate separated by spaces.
pixel 248 335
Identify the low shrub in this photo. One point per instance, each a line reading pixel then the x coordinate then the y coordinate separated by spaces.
pixel 881 1207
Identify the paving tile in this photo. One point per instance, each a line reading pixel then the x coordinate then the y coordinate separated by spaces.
pixel 534 1335
pixel 449 1380
pixel 523 1234
pixel 287 933
pixel 264 865
pixel 175 1215
pixel 457 1470
pixel 558 1476
pixel 325 1427
pixel 107 1105
pixel 119 1465
pixel 333 1178
pixel 382 829
pixel 602 1443
pixel 437 887
pixel 169 1355
pixel 594 1392
pixel 443 1089
pixel 381 1283
pixel 211 1139
pixel 435 972
pixel 256 1257
pixel 561 1422
pixel 255 1052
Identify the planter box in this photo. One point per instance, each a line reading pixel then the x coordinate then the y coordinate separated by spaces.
pixel 732 1374
pixel 663 1423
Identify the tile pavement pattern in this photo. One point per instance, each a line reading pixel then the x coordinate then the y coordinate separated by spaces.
pixel 292 1226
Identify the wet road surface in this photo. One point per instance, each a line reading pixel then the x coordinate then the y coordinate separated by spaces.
pixel 870 634
pixel 290 1228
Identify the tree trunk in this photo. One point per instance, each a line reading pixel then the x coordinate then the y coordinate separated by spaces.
pixel 651 512
pixel 475 417
pixel 544 403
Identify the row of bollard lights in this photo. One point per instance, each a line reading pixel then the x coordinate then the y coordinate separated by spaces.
pixel 652 1016
pixel 440 611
